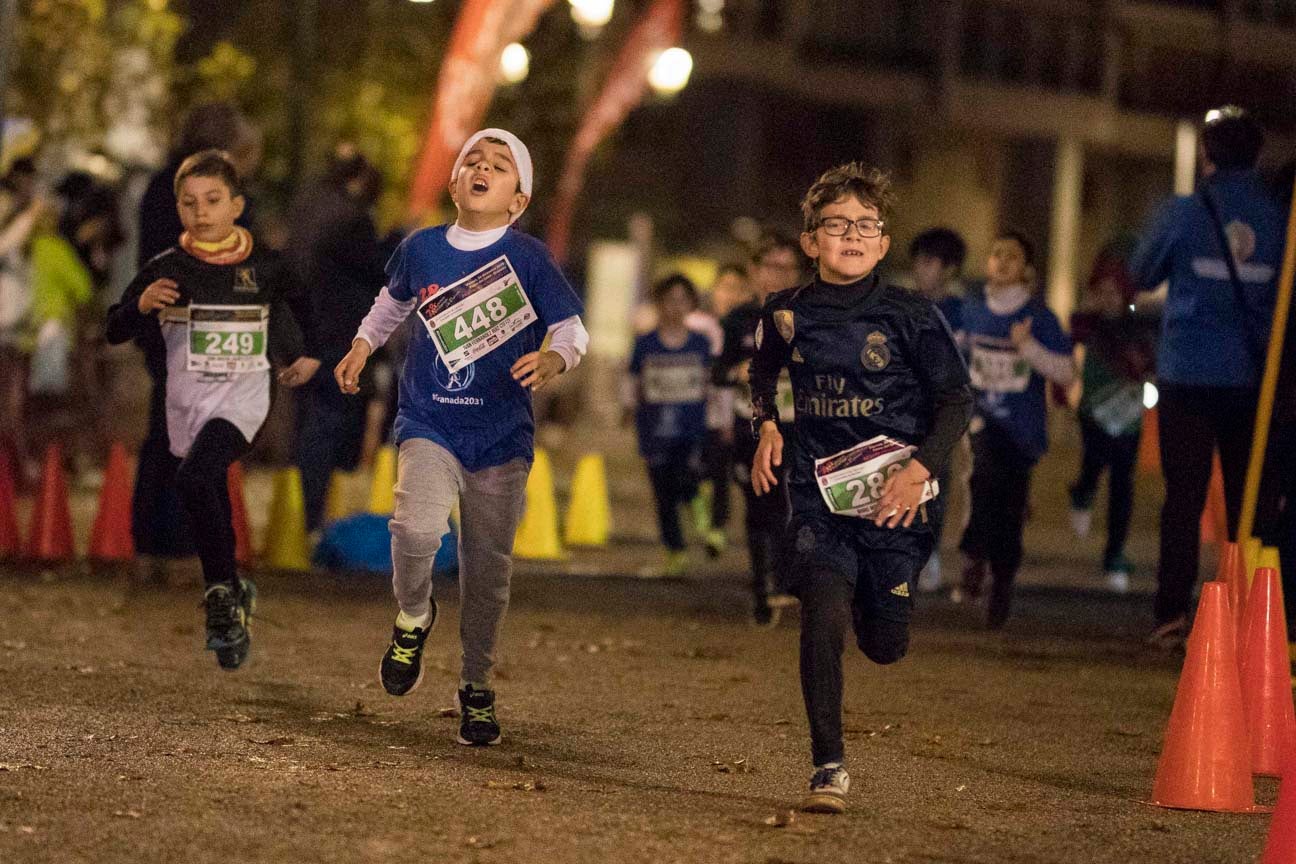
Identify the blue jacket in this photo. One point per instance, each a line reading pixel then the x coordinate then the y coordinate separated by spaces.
pixel 1204 341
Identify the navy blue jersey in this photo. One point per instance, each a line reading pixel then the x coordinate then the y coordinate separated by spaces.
pixel 671 406
pixel 865 360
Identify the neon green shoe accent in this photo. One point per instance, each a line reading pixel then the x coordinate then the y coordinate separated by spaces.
pixel 700 509
pixel 676 564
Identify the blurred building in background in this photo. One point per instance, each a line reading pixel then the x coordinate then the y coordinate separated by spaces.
pixel 1067 120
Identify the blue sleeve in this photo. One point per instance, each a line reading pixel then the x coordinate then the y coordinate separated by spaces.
pixel 550 292
pixel 1153 257
pixel 1048 331
pixel 398 284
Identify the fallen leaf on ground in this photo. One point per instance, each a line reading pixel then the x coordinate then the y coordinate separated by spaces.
pixel 273 742
pixel 448 712
pixel 740 766
pixel 361 711
pixel 475 842
pixel 781 819
pixel 239 718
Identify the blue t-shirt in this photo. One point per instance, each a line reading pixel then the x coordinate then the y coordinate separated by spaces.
pixel 672 391
pixel 477 412
pixel 1010 394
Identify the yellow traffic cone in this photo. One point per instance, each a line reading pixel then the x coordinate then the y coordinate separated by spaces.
pixel 338 503
pixel 589 515
pixel 1250 556
pixel 382 490
pixel 286 547
pixel 537 535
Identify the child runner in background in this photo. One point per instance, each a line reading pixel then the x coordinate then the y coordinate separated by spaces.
pixel 1118 358
pixel 1014 345
pixel 728 292
pixel 937 255
pixel 220 307
pixel 485 295
pixel 881 397
pixel 666 394
pixel 775 267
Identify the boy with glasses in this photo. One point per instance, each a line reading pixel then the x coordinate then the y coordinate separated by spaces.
pixel 881 397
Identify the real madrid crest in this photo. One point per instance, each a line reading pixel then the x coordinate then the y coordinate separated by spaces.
pixel 876 356
pixel 786 325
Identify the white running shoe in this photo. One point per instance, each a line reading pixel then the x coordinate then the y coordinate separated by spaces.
pixel 929 579
pixel 1081 522
pixel 828 788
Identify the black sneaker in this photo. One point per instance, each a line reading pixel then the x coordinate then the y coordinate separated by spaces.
pixel 1001 591
pixel 765 616
pixel 478 726
pixel 401 669
pixel 828 788
pixel 228 614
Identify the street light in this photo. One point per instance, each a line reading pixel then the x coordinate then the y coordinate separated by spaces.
pixel 670 71
pixel 591 15
pixel 515 63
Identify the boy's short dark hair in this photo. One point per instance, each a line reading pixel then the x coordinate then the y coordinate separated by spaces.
pixel 210 163
pixel 665 285
pixel 869 185
pixel 772 240
pixel 1232 138
pixel 1028 248
pixel 943 244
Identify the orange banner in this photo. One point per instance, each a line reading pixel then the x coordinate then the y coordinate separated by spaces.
pixel 465 87
pixel 659 28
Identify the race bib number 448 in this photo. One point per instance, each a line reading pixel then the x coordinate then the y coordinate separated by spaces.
pixel 472 317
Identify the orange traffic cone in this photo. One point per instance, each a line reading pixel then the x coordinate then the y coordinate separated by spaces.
pixel 1205 761
pixel 110 538
pixel 9 542
pixel 1232 572
pixel 1149 448
pixel 238 513
pixel 1266 677
pixel 1280 848
pixel 50 536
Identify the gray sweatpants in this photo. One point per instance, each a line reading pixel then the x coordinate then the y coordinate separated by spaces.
pixel 429 482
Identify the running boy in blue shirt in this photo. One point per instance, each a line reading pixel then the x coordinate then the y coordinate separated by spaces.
pixel 484 295
pixel 1014 344
pixel 881 397
pixel 667 393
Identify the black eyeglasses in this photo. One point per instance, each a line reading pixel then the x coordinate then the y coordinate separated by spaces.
pixel 839 226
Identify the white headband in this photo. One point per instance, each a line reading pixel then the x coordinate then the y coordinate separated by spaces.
pixel 521 156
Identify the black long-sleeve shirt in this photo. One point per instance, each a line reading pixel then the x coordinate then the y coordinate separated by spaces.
pixel 865 359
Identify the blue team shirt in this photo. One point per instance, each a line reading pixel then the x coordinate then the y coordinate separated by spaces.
pixel 478 413
pixel 672 391
pixel 1010 394
pixel 952 308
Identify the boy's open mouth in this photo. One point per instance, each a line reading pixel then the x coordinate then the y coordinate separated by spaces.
pixel 479 185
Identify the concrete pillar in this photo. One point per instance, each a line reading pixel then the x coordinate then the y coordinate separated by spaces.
pixel 1064 231
pixel 1185 157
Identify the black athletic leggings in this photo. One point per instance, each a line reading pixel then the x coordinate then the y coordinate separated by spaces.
pixel 1193 422
pixel 204 491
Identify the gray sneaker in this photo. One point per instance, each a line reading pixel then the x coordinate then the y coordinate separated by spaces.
pixel 828 788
